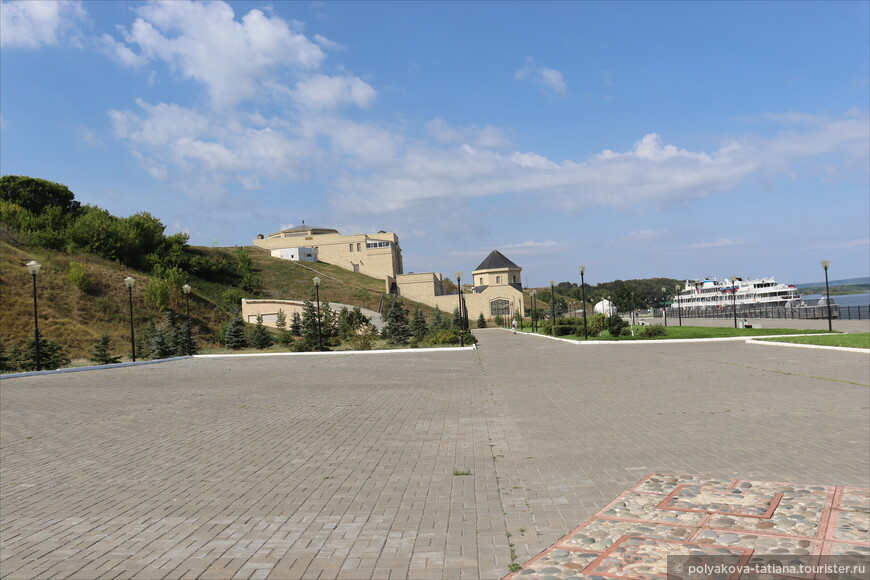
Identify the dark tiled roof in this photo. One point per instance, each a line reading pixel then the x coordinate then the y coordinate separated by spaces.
pixel 494 261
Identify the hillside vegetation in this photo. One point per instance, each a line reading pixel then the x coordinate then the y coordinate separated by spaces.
pixel 86 253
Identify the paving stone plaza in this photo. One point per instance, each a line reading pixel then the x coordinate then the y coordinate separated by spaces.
pixel 449 464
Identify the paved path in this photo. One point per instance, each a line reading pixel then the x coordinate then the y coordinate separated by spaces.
pixel 349 466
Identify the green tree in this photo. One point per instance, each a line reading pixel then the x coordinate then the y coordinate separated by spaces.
pixel 419 328
pixel 260 337
pixel 51 355
pixel 481 321
pixel 310 325
pixel 396 329
pixel 281 320
pixel 615 324
pixel 456 319
pixel 439 321
pixel 156 294
pixel 235 335
pixel 35 194
pixel 101 353
pixel 296 324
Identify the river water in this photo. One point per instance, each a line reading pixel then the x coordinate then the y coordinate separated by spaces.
pixel 842 300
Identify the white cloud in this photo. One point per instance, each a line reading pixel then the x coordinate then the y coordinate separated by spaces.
pixel 645 236
pixel 170 140
pixel 488 136
pixel 204 42
pixel 319 92
pixel 31 24
pixel 720 243
pixel 550 79
pixel 651 172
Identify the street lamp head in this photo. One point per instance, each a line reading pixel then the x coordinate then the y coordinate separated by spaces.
pixel 582 269
pixel 551 282
pixel 186 288
pixel 33 267
pixel 458 276
pixel 825 264
pixel 129 281
pixel 316 281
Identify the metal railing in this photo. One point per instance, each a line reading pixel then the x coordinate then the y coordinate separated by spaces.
pixel 766 311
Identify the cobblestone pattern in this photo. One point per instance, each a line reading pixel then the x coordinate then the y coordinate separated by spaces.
pixel 343 466
pixel 626 540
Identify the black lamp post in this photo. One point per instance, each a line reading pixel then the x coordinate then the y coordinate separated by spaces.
pixel 553 308
pixel 534 317
pixel 583 292
pixel 186 289
pixel 129 282
pixel 461 318
pixel 317 294
pixel 734 298
pixel 679 309
pixel 664 307
pixel 33 267
pixel 825 265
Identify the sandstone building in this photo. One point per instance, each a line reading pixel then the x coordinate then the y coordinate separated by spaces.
pixel 376 255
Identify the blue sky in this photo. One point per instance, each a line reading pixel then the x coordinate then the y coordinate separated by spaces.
pixel 644 139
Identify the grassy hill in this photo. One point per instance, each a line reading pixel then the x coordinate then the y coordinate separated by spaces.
pixel 76 318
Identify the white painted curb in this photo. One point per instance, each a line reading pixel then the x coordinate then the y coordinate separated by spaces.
pixel 817 346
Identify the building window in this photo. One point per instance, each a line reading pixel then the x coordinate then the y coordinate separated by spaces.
pixel 350 247
pixel 377 245
pixel 481 280
pixel 498 279
pixel 357 247
pixel 500 307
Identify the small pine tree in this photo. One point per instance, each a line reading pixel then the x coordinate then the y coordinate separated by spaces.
pixel 260 337
pixel 51 355
pixel 310 328
pixel 235 336
pixel 396 329
pixel 296 324
pixel 438 321
pixel 481 321
pixel 161 343
pixel 101 354
pixel 456 321
pixel 418 325
pixel 281 320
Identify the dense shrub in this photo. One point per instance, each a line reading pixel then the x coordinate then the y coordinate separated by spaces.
pixel 77 274
pixel 596 324
pixel 652 330
pixel 615 324
pixel 563 330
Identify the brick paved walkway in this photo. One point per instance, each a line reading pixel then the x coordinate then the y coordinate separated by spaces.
pixel 344 466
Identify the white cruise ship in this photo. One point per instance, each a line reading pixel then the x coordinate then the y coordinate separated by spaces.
pixel 713 293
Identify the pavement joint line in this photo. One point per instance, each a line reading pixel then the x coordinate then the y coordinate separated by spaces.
pixel 798 345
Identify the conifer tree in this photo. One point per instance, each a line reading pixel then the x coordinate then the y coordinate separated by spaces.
pixel 438 322
pixel 481 321
pixel 235 335
pixel 456 321
pixel 281 320
pixel 101 354
pixel 260 337
pixel 296 324
pixel 396 329
pixel 418 324
pixel 309 326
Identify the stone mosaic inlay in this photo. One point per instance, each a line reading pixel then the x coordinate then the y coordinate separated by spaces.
pixel 687 515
